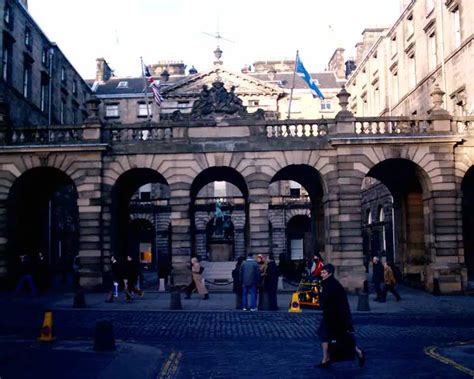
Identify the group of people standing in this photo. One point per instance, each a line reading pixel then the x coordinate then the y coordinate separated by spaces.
pixel 383 274
pixel 126 275
pixel 257 278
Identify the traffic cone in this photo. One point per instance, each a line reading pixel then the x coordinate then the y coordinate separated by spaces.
pixel 295 303
pixel 46 334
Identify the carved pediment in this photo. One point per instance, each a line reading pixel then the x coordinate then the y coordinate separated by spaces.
pixel 244 85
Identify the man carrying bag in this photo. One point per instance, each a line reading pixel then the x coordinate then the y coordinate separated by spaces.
pixel 335 330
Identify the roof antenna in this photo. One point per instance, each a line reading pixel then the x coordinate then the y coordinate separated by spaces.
pixel 218 52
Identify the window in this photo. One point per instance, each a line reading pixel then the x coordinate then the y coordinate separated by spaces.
pixel 28 41
pixel 74 87
pixel 326 105
pixel 7 60
pixel 411 70
pixel 142 109
pixel 8 16
pixel 253 103
pixel 395 86
pixel 456 27
pixel 75 114
pixel 44 57
pixel 376 99
pixel 144 192
pixel 27 80
pixel 123 84
pixel 43 94
pixel 183 104
pixel 112 110
pixel 432 58
pixel 429 5
pixel 63 75
pixel 382 221
pixel 62 112
pixel 393 45
pixel 369 217
pixel 409 26
pixel 220 189
pixel 295 189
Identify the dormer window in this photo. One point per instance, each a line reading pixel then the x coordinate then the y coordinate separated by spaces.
pixel 28 42
pixel 123 84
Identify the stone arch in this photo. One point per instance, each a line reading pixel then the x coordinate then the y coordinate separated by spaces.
pixel 43 217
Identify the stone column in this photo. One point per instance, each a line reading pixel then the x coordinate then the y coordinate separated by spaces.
pixel 258 223
pixel 180 238
pixel 90 226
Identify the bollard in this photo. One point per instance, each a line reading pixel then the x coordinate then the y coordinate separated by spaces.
pixel 161 286
pixel 363 304
pixel 175 300
pixel 366 286
pixel 436 289
pixel 238 300
pixel 79 299
pixel 104 339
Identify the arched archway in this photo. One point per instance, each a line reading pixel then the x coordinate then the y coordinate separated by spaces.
pixel 400 189
pixel 140 208
pixel 43 218
pixel 293 189
pixel 219 209
pixel 467 187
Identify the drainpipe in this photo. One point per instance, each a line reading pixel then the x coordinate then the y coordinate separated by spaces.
pixel 50 84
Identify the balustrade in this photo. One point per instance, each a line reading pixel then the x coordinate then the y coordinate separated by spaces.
pixel 391 125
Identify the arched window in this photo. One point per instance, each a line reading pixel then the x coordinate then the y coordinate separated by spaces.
pixel 381 219
pixel 369 217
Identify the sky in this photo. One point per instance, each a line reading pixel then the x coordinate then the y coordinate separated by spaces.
pixel 122 31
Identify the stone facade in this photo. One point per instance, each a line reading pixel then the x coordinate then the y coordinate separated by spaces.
pixel 432 41
pixel 38 84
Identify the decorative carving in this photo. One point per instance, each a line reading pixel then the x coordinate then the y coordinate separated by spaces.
pixel 217 101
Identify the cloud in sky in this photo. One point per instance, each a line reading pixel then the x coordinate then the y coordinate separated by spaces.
pixel 122 30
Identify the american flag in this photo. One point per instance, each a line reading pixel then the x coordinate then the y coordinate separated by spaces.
pixel 153 85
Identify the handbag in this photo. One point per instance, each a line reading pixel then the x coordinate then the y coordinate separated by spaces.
pixel 342 348
pixel 201 269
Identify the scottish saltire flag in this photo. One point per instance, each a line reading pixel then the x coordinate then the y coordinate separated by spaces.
pixel 153 85
pixel 301 71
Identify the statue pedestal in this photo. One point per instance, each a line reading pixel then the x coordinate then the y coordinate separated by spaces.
pixel 220 252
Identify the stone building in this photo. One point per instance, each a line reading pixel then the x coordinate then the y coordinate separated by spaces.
pixel 39 86
pixel 432 41
pixel 265 85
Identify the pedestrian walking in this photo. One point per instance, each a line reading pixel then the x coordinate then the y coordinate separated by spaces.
pixel 271 282
pixel 262 294
pixel 26 275
pixel 389 283
pixel 337 318
pixel 197 280
pixel 237 284
pixel 249 277
pixel 133 276
pixel 377 277
pixel 118 281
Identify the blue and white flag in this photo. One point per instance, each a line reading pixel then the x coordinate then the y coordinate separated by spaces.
pixel 301 71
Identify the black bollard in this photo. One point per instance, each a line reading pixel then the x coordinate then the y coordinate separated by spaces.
pixel 366 286
pixel 436 289
pixel 104 339
pixel 363 304
pixel 175 301
pixel 79 299
pixel 238 300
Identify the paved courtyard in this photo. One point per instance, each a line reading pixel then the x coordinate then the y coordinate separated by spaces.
pixel 422 336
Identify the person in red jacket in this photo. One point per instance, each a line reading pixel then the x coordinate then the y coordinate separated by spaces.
pixel 317 266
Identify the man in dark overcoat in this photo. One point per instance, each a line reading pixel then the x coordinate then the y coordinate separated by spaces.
pixel 337 318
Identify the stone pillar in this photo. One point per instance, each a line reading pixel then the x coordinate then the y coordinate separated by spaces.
pixel 3 237
pixel 344 247
pixel 258 222
pixel 90 224
pixel 180 238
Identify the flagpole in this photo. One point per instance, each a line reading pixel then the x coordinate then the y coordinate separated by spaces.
pixel 145 90
pixel 292 87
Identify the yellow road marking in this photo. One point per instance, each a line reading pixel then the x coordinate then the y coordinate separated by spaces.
pixel 170 367
pixel 432 352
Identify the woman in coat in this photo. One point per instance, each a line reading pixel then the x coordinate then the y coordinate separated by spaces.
pixel 197 280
